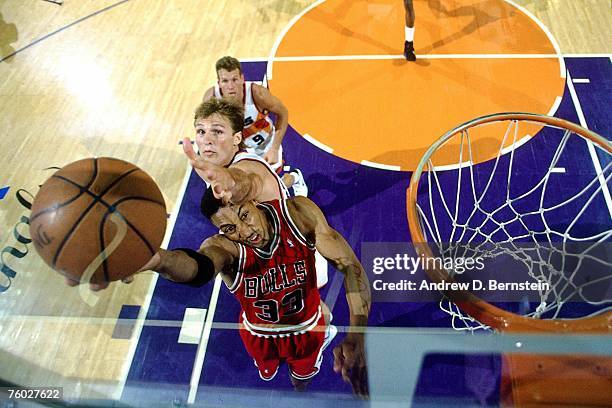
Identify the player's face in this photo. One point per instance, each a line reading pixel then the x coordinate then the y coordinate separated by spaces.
pixel 231 84
pixel 243 223
pixel 216 140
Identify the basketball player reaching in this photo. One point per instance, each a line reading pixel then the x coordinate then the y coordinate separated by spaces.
pixel 235 174
pixel 260 135
pixel 265 255
pixel 409 31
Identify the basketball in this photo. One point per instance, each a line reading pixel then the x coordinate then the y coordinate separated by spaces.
pixel 98 220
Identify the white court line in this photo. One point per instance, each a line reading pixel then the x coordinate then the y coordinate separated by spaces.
pixel 380 165
pixel 334 290
pixel 315 142
pixel 203 345
pixel 192 325
pixel 142 315
pixel 401 57
pixel 454 166
pixel 594 158
pixel 555 106
pixel 581 81
pixel 428 56
pixel 558 170
pixel 516 145
pixel 595 55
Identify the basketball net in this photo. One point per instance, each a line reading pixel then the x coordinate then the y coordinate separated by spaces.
pixel 514 201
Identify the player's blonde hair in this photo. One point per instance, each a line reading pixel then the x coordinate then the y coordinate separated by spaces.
pixel 229 64
pixel 229 109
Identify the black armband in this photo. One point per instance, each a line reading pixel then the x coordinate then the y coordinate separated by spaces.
pixel 206 268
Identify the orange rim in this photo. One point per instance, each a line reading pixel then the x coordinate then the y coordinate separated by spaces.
pixel 479 309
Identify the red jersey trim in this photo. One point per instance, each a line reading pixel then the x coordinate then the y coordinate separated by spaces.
pixel 282 331
pixel 275 233
pixel 239 272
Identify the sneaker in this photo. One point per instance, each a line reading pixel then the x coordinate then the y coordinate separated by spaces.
pixel 409 51
pixel 299 185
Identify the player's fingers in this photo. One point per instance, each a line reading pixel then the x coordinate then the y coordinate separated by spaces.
pixel 345 374
pixel 338 359
pixel 70 282
pixel 360 382
pixel 218 191
pixel 128 279
pixel 98 286
pixel 227 198
pixel 365 383
pixel 188 149
pixel 350 359
pixel 210 175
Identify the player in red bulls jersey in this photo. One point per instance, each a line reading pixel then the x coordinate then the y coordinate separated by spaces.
pixel 238 175
pixel 265 255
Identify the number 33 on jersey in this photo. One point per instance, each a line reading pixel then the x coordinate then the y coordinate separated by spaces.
pixel 278 286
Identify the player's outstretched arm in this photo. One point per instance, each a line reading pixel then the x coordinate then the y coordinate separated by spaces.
pixel 264 100
pixel 349 356
pixel 236 184
pixel 196 268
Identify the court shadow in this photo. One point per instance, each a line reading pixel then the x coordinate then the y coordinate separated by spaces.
pixel 449 152
pixel 420 62
pixel 335 193
pixel 8 35
pixel 498 93
pixel 331 20
pixel 483 14
pixel 291 7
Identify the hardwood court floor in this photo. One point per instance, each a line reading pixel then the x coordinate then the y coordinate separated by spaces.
pixel 121 79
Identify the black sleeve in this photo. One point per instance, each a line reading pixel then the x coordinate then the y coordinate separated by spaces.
pixel 206 268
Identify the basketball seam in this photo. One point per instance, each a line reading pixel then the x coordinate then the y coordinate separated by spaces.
pixel 81 188
pixel 97 199
pixel 139 198
pixel 132 227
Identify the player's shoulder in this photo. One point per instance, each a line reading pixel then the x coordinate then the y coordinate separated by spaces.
pixel 304 213
pixel 251 164
pixel 209 94
pixel 259 91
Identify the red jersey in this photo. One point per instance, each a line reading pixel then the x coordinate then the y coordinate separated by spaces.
pixel 277 286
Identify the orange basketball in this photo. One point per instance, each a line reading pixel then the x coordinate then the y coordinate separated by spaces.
pixel 98 220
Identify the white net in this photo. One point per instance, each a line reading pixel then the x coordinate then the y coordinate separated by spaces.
pixel 540 210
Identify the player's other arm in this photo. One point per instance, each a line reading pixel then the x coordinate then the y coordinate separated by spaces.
pixel 181 265
pixel 336 250
pixel 349 356
pixel 264 100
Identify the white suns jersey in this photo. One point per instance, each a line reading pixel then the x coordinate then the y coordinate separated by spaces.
pixel 258 129
pixel 284 193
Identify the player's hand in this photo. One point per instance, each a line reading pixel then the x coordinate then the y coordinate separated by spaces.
pixel 151 265
pixel 271 156
pixel 221 181
pixel 350 361
pixel 197 162
pixel 93 286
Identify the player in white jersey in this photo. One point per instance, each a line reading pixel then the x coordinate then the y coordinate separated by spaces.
pixel 236 175
pixel 259 134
